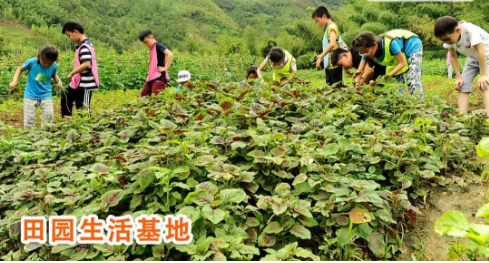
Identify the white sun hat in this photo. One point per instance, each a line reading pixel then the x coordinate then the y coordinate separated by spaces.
pixel 183 75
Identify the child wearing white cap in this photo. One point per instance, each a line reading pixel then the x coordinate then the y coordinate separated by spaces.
pixel 183 77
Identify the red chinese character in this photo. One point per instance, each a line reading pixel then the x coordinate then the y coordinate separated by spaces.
pixel 119 230
pixel 33 229
pixel 149 230
pixel 178 230
pixel 62 230
pixel 91 230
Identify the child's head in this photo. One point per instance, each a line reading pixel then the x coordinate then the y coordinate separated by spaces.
pixel 277 57
pixel 342 58
pixel 184 77
pixel 364 43
pixel 73 30
pixel 321 16
pixel 47 56
pixel 251 72
pixel 147 37
pixel 447 29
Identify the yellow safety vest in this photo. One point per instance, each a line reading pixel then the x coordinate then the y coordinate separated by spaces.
pixel 390 62
pixel 285 70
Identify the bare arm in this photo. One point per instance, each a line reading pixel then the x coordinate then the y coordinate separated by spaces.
pixel 15 80
pixel 84 66
pixel 169 58
pixel 401 63
pixel 329 47
pixel 482 82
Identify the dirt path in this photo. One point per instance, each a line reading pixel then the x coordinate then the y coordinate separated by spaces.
pixel 422 241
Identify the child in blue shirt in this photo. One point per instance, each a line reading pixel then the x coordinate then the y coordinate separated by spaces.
pixel 38 92
pixel 400 51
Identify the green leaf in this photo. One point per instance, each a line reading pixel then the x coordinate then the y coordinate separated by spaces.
pixel 279 151
pixel 238 144
pixel 483 211
pixel 201 198
pixel 233 195
pixel 210 187
pixel 300 232
pixel 363 230
pixel 266 240
pixel 111 198
pixel 452 223
pixel 136 201
pixel 252 222
pixel 247 250
pixel 273 228
pixel 283 190
pixel 182 172
pixel 145 179
pixel 376 244
pixel 368 197
pixel 385 216
pixel 483 148
pixel 299 179
pixel 359 216
pixel 203 245
pixel 303 253
pixel 213 215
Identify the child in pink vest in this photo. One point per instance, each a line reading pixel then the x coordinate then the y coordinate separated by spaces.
pixel 84 77
pixel 160 59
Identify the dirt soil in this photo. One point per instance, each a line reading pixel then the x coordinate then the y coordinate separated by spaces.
pixel 422 241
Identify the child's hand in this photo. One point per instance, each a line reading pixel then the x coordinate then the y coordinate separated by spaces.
pixel 161 69
pixel 262 83
pixel 69 77
pixel 318 63
pixel 458 83
pixel 482 83
pixel 60 84
pixel 12 85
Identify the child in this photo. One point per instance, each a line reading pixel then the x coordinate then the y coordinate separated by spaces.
pixel 283 65
pixel 84 76
pixel 331 39
pixel 399 50
pixel 351 58
pixel 473 42
pixel 251 75
pixel 183 78
pixel 160 59
pixel 38 92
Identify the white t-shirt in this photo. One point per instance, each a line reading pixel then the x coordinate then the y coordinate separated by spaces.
pixel 293 64
pixel 471 35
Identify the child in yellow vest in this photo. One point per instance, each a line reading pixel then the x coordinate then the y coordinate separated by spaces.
pixel 331 41
pixel 283 65
pixel 399 50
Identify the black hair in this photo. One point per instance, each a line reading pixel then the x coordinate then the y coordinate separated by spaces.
pixel 335 55
pixel 445 25
pixel 251 70
pixel 276 54
pixel 320 12
pixel 49 53
pixel 71 26
pixel 364 39
pixel 144 34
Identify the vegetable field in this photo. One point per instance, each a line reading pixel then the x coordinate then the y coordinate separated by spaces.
pixel 286 172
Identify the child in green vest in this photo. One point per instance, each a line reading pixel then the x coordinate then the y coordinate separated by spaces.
pixel 331 41
pixel 399 50
pixel 283 65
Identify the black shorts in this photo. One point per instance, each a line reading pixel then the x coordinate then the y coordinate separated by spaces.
pixel 80 97
pixel 334 75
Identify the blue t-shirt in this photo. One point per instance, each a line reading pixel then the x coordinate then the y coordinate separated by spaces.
pixel 38 80
pixel 409 47
pixel 412 45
